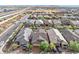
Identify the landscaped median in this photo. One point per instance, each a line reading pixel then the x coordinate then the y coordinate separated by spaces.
pixel 11 39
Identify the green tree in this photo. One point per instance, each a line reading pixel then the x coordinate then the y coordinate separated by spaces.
pixel 44 46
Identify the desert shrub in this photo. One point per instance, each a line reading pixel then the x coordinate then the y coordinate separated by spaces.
pixel 74 46
pixel 52 45
pixel 44 46
pixel 29 46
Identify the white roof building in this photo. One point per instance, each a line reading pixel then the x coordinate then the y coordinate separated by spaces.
pixel 27 33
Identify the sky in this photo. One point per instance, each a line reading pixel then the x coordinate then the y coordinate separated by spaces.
pixel 39 2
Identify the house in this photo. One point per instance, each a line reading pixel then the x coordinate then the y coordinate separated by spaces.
pixel 57 22
pixel 56 37
pixel 27 34
pixel 69 35
pixel 74 22
pixel 65 22
pixel 31 22
pixel 23 36
pixel 20 37
pixel 38 36
pixel 52 36
pixel 76 31
pixel 61 38
pixel 48 22
pixel 39 22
